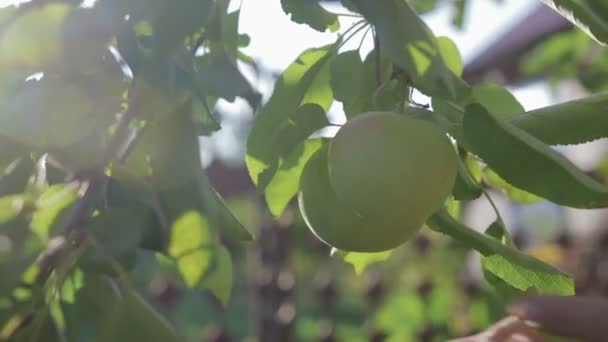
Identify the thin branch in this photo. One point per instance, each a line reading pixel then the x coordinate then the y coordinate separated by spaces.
pixel 94 184
pixel 364 36
pixel 378 59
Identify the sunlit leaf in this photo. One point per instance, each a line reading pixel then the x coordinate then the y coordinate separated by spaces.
pixel 191 245
pixel 306 81
pixel 51 208
pixel 450 54
pixel 286 182
pixel 516 194
pixel 528 163
pixel 361 261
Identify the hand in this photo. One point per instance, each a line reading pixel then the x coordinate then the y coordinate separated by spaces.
pixel 580 318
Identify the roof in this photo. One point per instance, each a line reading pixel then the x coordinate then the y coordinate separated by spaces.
pixel 504 54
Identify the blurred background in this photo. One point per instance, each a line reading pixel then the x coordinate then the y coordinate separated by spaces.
pixel 287 285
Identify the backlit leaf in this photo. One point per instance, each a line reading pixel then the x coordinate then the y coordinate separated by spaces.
pixel 589 16
pixel 411 45
pixel 517 269
pixel 538 168
pixel 306 81
pixel 191 245
pixel 312 14
pixel 219 280
pixel 286 182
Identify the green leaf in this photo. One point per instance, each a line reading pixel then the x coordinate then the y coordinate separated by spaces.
pixel 466 187
pixel 219 280
pixel 361 261
pixel 354 82
pixel 450 54
pixel 460 7
pixel 589 16
pixel 15 177
pixel 572 122
pixel 51 113
pixel 498 231
pixel 527 163
pixel 519 270
pixel 514 193
pixel 10 207
pixel 312 14
pixel 411 45
pixel 306 81
pixel 286 182
pixel 497 100
pixel 117 233
pixel 164 144
pixel 220 77
pixel 108 310
pixel 220 215
pixel 51 208
pixel 191 245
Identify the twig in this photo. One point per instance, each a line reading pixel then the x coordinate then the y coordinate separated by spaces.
pixel 94 182
pixel 378 59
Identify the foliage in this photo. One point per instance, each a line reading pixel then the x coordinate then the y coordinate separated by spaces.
pixel 102 107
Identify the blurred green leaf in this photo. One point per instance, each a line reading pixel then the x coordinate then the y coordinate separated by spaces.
pixel 411 45
pixel 538 168
pixel 164 144
pixel 117 233
pixel 354 81
pixel 460 7
pixel 311 14
pixel 15 177
pixel 361 261
pixel 10 207
pixel 220 214
pixel 589 16
pixel 106 310
pixel 450 54
pixel 286 182
pixel 466 187
pixel 519 270
pixel 51 113
pixel 191 244
pixel 51 208
pixel 514 193
pixel 400 315
pixel 497 100
pixel 306 81
pixel 220 77
pixel 219 279
pixel 572 122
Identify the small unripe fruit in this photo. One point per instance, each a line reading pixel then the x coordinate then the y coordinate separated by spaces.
pixel 336 224
pixel 385 163
pixel 380 179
